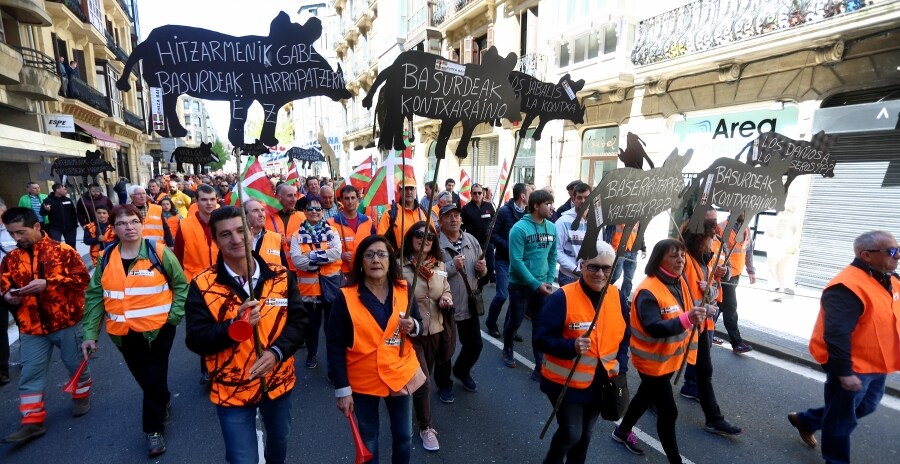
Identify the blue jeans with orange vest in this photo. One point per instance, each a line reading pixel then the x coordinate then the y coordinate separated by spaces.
pixel 628 264
pixel 839 417
pixel 399 410
pixel 239 430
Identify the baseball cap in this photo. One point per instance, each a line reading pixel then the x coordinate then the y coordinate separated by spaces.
pixel 447 208
pixel 408 182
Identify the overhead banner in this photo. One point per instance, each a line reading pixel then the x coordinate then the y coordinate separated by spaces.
pixel 59 122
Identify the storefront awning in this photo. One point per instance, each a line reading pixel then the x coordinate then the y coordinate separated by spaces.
pixel 101 139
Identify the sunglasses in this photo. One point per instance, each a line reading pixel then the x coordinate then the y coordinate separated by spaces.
pixel 420 234
pixel 477 193
pixel 315 209
pixel 894 252
pixel 595 268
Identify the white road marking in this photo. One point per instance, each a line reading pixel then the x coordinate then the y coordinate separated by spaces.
pixel 260 444
pixel 647 439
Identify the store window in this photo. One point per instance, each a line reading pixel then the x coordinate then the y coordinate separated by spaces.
pixel 599 153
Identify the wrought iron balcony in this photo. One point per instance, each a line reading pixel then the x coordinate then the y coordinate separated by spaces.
pixel 533 64
pixel 75 7
pixel 116 49
pixel 135 121
pixel 446 9
pixel 81 91
pixel 706 24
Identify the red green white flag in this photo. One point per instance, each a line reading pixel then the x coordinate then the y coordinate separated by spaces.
pixel 256 186
pixel 383 187
pixel 465 189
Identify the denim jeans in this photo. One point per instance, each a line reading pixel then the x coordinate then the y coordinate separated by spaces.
pixel 843 408
pixel 239 430
pixel 565 280
pixel 522 300
pixel 628 264
pixel 502 270
pixel 399 410
pixel 572 438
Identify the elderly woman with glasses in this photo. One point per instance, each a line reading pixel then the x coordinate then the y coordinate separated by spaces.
pixel 316 253
pixel 562 335
pixel 368 350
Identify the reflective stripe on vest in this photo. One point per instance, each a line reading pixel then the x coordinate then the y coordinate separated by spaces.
pixel 374 364
pixel 660 356
pixel 229 369
pixel 605 339
pixel 875 341
pixel 153 222
pixel 308 282
pixel 139 299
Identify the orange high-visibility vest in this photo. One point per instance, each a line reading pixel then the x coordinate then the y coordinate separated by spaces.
pixel 107 238
pixel 199 252
pixel 661 356
pixel 350 239
pixel 617 237
pixel 693 274
pixel 605 338
pixel 738 258
pixel 308 282
pixel 153 222
pixel 173 221
pixel 374 364
pixel 269 247
pixel 275 224
pixel 229 369
pixel 875 342
pixel 137 299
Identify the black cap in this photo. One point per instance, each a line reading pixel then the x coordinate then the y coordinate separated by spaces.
pixel 447 208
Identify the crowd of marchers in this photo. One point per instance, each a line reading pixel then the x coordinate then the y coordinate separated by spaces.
pixel 395 289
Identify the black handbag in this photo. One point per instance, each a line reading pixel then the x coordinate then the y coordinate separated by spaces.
pixel 331 286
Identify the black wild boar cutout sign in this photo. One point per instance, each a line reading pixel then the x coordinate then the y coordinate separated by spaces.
pixel 629 197
pixel 547 101
pixel 306 156
pixel 272 70
pixel 739 188
pixel 196 156
pixel 91 165
pixel 430 86
pixel 811 157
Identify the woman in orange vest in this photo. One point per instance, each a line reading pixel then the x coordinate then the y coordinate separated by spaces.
pixel 368 351
pixel 170 215
pixel 139 290
pixel 698 270
pixel 662 316
pixel 438 340
pixel 316 253
pixel 560 334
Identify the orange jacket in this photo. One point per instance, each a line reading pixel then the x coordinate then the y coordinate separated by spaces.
pixel 139 300
pixel 200 252
pixel 173 221
pixel 402 223
pixel 605 339
pixel 875 342
pixel 153 223
pixel 107 238
pixel 660 356
pixel 61 304
pixel 374 364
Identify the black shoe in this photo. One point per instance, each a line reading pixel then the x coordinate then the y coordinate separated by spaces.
pixel 493 331
pixel 446 395
pixel 518 338
pixel 536 374
pixel 630 441
pixel 741 348
pixel 312 362
pixel 722 427
pixel 156 444
pixel 691 394
pixel 25 433
pixel 4 379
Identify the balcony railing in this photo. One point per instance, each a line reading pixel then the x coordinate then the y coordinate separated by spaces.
pixel 418 21
pixel 116 49
pixel 135 121
pixel 446 9
pixel 37 59
pixel 75 7
pixel 706 24
pixel 360 122
pixel 81 91
pixel 533 64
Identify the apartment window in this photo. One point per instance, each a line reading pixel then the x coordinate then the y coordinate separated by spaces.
pixel 586 47
pixel 187 105
pixel 196 106
pixel 576 11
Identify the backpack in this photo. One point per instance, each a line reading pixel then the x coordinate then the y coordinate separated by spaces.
pixel 155 261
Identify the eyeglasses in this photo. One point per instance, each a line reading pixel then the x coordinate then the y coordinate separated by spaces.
pixel 595 268
pixel 132 223
pixel 420 234
pixel 316 209
pixel 894 252
pixel 477 193
pixel 371 255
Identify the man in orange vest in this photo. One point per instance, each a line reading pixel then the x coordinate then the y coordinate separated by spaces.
pixel 155 226
pixel 220 296
pixel 286 221
pixel 139 290
pixel 265 243
pixel 44 281
pixel 741 255
pixel 194 245
pixel 351 225
pixel 857 340
pixel 394 224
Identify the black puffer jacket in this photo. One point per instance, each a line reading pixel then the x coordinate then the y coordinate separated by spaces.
pixel 507 216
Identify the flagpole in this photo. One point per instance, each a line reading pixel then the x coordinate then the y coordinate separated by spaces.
pixel 500 194
pixel 257 344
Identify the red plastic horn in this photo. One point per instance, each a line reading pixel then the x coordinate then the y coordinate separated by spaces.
pixel 241 330
pixel 72 384
pixel 363 455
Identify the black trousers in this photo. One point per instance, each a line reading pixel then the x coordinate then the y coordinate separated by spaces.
pixel 68 235
pixel 656 391
pixel 699 376
pixel 728 307
pixel 468 333
pixel 572 438
pixel 4 336
pixel 149 364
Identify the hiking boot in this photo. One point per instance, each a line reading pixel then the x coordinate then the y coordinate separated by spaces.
pixel 717 341
pixel 312 362
pixel 508 359
pixel 690 393
pixel 156 444
pixel 741 348
pixel 429 439
pixel 468 383
pixel 808 437
pixel 446 395
pixel 722 427
pixel 493 331
pixel 25 433
pixel 81 406
pixel 629 440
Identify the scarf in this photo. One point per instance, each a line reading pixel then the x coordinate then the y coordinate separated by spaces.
pixel 426 269
pixel 318 233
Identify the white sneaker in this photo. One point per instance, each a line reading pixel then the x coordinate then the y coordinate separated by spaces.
pixel 429 439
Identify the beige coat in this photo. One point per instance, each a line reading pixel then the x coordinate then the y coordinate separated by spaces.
pixel 428 295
